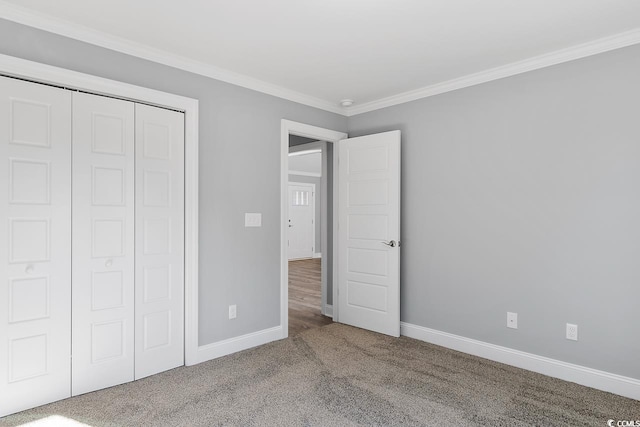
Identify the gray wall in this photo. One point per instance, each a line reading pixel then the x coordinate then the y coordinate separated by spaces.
pixel 239 172
pixel 523 195
pixel 318 205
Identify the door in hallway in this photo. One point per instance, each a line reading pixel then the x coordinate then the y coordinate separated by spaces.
pixel 301 220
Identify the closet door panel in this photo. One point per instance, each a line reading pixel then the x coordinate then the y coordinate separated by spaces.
pixel 159 240
pixel 35 245
pixel 103 242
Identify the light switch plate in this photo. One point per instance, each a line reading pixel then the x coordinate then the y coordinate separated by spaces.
pixel 253 220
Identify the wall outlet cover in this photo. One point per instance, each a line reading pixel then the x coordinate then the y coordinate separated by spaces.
pixel 512 320
pixel 572 332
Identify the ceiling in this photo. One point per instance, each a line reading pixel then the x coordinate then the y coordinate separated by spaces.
pixel 322 51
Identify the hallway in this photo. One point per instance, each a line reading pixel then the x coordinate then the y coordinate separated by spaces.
pixel 305 298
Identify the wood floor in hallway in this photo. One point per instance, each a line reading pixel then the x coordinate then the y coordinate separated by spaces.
pixel 305 297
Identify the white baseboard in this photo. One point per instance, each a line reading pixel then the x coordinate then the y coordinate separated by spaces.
pixel 328 310
pixel 233 345
pixel 613 383
pixel 317 255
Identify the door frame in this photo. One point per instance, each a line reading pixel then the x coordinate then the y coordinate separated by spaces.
pixel 313 212
pixel 327 310
pixel 289 127
pixel 41 73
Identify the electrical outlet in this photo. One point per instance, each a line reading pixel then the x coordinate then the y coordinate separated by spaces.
pixel 232 311
pixel 572 332
pixel 512 320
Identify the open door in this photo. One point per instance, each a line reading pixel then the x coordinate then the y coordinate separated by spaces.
pixel 369 232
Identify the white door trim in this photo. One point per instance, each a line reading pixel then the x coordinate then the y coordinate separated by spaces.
pixel 302 173
pixel 289 127
pixel 29 70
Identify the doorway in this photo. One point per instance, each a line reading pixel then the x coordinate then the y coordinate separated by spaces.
pixel 365 189
pixel 307 213
pixel 313 306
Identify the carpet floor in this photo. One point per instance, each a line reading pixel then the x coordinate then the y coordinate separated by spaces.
pixel 340 376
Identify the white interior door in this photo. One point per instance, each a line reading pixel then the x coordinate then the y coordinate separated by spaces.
pixel 369 232
pixel 159 240
pixel 301 220
pixel 103 242
pixel 35 245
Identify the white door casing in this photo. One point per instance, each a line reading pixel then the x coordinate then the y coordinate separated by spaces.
pixel 287 128
pixel 369 232
pixel 35 244
pixel 103 242
pixel 301 220
pixel 159 240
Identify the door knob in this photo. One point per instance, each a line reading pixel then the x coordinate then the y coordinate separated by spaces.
pixel 29 269
pixel 392 243
pixel 108 263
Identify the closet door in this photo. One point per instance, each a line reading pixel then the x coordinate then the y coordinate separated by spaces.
pixel 159 240
pixel 35 245
pixel 103 242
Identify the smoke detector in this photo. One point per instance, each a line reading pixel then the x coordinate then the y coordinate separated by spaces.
pixel 346 103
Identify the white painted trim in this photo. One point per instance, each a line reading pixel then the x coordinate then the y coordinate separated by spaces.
pixel 48 23
pixel 287 128
pixel 302 173
pixel 54 25
pixel 328 310
pixel 306 152
pixel 583 50
pixel 233 345
pixel 191 230
pixel 613 383
pixel 317 255
pixel 308 146
pixel 34 71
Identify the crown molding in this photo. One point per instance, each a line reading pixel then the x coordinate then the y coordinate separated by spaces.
pixel 61 27
pixel 594 47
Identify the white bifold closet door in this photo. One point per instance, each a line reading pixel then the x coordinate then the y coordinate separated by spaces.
pixel 35 244
pixel 128 241
pixel 103 242
pixel 159 240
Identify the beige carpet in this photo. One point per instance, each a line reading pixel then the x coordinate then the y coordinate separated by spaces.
pixel 341 376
